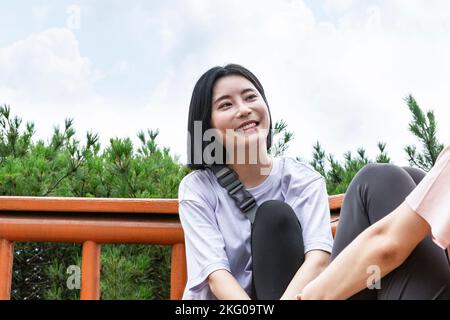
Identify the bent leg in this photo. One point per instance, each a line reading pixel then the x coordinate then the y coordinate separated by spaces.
pixel 425 275
pixel 373 193
pixel 412 279
pixel 277 249
pixel 416 174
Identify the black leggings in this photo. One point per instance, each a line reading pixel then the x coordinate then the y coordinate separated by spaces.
pixel 377 189
pixel 277 249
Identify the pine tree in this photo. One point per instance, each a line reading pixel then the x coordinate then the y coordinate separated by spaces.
pixel 281 138
pixel 423 126
pixel 339 175
pixel 382 157
pixel 319 161
pixel 63 166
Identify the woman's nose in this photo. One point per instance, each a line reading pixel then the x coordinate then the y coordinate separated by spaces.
pixel 244 109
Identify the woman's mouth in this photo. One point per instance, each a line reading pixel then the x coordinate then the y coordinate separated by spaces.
pixel 248 127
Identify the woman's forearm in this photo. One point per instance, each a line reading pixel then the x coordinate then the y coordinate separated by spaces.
pixel 348 273
pixel 315 262
pixel 225 287
pixel 380 249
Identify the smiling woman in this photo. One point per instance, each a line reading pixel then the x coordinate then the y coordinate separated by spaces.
pixel 229 254
pixel 217 96
pixel 233 95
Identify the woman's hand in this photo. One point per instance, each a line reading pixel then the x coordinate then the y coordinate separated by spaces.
pixel 225 287
pixel 315 262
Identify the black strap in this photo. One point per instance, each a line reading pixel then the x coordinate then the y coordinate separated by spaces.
pixel 229 180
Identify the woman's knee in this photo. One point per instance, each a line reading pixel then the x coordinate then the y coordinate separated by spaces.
pixel 416 174
pixel 384 176
pixel 276 214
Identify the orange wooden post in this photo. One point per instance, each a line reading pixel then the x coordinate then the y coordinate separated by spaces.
pixel 90 271
pixel 334 225
pixel 6 268
pixel 178 274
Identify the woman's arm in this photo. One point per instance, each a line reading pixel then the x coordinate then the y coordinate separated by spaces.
pixel 225 287
pixel 315 262
pixel 385 244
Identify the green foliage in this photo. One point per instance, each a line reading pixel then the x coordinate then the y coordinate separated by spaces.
pixel 135 272
pixel 424 128
pixel 281 138
pixel 12 142
pixel 339 175
pixel 382 157
pixel 65 167
pixel 60 257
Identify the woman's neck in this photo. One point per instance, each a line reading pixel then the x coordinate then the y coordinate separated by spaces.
pixel 251 175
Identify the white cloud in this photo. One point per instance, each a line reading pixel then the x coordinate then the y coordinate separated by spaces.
pixel 47 66
pixel 339 81
pixel 45 80
pixel 340 84
pixel 40 14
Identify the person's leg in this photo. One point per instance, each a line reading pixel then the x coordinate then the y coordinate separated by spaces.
pixel 362 206
pixel 416 174
pixel 277 249
pixel 425 275
pixel 373 193
pixel 412 279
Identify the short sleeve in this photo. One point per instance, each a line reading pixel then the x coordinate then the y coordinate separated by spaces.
pixel 310 203
pixel 205 247
pixel 431 199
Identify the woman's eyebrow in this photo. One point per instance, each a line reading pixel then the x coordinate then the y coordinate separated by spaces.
pixel 228 96
pixel 247 90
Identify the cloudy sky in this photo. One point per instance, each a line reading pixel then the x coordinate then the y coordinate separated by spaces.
pixel 336 71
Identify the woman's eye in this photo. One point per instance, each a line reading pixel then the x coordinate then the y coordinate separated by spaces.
pixel 252 97
pixel 227 104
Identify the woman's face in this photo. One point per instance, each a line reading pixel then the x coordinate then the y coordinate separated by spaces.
pixel 239 110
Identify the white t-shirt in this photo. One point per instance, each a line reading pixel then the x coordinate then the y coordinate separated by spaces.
pixel 217 234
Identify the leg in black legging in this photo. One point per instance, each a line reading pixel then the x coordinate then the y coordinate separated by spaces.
pixel 415 174
pixel 277 249
pixel 375 192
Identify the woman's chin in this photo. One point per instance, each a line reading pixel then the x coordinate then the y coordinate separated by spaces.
pixel 249 139
pixel 246 133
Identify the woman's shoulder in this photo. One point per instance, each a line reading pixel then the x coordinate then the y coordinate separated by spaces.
pixel 298 176
pixel 295 167
pixel 196 186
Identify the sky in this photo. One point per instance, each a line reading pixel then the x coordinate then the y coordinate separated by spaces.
pixel 337 71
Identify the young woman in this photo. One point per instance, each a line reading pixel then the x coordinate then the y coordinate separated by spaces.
pixel 289 242
pixel 398 245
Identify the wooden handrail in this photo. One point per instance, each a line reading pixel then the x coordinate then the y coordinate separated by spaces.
pixel 97 205
pixel 92 222
pixel 335 202
pixel 106 205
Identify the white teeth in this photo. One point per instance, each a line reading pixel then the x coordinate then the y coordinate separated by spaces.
pixel 248 126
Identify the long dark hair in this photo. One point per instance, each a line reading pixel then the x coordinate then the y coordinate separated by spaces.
pixel 200 108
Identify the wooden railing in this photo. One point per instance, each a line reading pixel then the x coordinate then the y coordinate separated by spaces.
pixel 96 221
